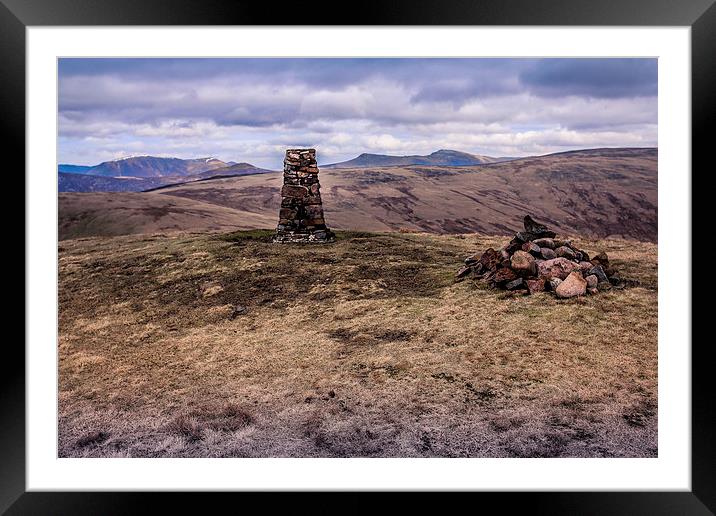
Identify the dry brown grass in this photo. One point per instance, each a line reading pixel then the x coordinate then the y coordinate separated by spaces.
pixel 361 348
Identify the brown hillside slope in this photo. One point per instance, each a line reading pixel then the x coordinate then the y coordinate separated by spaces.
pixel 594 193
pixel 119 213
pixel 597 193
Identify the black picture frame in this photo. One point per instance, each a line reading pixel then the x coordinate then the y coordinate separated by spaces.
pixel 700 15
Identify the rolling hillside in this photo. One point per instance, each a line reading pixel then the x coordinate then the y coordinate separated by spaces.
pixel 76 182
pixel 237 169
pixel 447 158
pixel 117 213
pixel 596 193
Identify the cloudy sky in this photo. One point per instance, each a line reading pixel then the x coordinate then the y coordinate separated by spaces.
pixel 253 109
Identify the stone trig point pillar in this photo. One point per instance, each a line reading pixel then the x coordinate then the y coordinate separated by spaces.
pixel 301 216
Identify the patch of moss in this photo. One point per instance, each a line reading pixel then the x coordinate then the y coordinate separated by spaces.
pixel 261 235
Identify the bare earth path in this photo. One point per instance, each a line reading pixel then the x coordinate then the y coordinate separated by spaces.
pixel 361 348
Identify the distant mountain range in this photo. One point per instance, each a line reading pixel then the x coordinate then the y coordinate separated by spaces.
pixel 146 173
pixel 142 173
pixel 440 158
pixel 73 169
pixel 152 166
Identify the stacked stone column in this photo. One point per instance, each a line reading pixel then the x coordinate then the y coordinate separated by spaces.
pixel 301 214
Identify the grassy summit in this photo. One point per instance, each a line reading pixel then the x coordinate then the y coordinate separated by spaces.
pixel 228 345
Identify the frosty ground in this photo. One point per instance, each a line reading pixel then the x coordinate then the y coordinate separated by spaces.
pixel 225 345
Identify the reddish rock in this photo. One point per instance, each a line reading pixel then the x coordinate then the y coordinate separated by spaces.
pixel 592 281
pixel 573 285
pixel 463 273
pixel 514 245
pixel 566 252
pixel 610 271
pixel 585 266
pixel 534 227
pixel 547 253
pixel 472 260
pixel 535 285
pixel 555 268
pixel 601 259
pixel 523 236
pixel 490 259
pixel 312 199
pixel 535 260
pixel 531 247
pixel 515 284
pixel 523 262
pixel 314 211
pixel 544 242
pixel 295 192
pixel 592 291
pixel 287 213
pixel 504 275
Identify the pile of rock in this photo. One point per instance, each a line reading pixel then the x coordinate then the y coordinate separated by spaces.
pixel 536 261
pixel 301 214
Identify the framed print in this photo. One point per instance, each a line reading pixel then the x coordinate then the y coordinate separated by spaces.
pixel 433 250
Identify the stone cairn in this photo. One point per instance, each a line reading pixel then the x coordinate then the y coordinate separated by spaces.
pixel 300 218
pixel 536 261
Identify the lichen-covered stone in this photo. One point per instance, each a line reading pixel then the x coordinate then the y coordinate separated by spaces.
pixel 535 285
pixel 516 284
pixel 544 242
pixel 556 268
pixel 592 281
pixel 523 262
pixel 548 253
pixel 504 275
pixel 565 252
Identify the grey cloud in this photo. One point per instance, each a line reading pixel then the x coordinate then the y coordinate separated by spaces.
pixel 610 78
pixel 354 105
